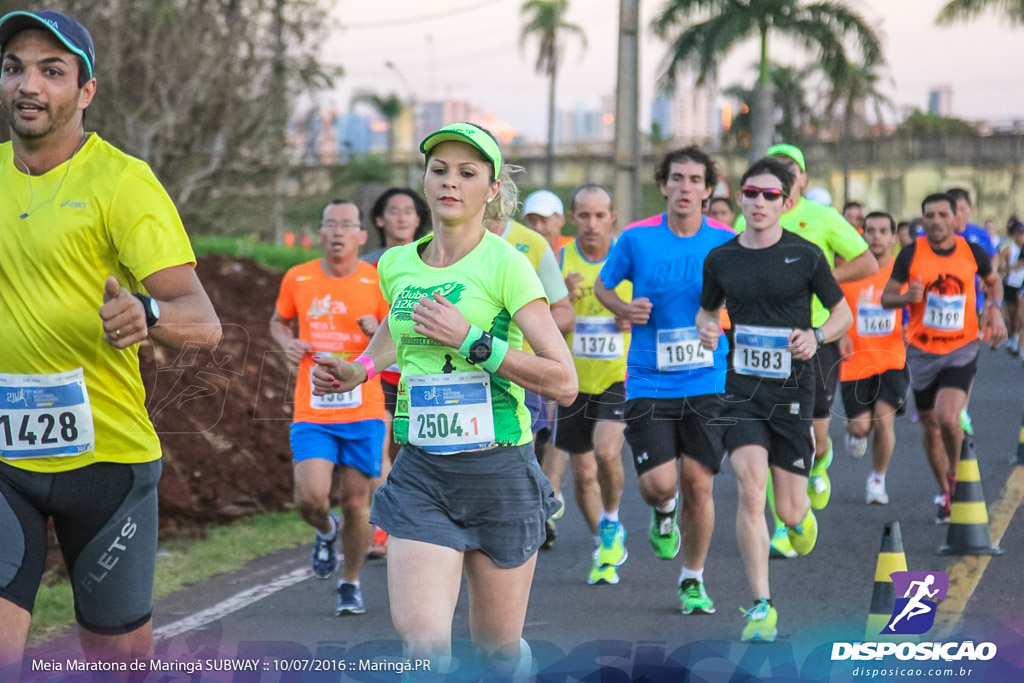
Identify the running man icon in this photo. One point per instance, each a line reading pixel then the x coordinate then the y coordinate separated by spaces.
pixel 921 593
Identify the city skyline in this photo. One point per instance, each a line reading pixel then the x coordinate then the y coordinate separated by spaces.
pixel 473 54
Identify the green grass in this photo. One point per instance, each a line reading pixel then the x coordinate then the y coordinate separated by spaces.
pixel 182 563
pixel 267 255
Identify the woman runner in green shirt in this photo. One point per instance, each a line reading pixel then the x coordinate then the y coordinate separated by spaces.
pixel 466 491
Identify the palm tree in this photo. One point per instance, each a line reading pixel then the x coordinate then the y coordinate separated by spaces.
pixel 965 10
pixel 856 86
pixel 389 108
pixel 548 24
pixel 793 114
pixel 703 31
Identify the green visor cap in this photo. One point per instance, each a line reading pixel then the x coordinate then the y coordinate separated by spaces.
pixel 791 151
pixel 468 133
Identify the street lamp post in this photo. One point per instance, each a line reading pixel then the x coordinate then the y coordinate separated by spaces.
pixel 411 100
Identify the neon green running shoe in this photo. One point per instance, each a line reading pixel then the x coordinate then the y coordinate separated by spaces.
pixel 694 598
pixel 780 547
pixel 819 490
pixel 664 532
pixel 762 620
pixel 603 574
pixel 965 422
pixel 804 535
pixel 612 548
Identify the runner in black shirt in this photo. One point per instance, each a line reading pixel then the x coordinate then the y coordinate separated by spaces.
pixel 767 277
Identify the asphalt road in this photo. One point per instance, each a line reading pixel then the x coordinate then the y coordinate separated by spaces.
pixel 634 630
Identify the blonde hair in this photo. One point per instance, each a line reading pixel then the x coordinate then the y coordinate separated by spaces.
pixel 506 203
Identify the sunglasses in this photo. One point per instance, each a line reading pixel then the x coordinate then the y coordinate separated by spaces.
pixel 770 194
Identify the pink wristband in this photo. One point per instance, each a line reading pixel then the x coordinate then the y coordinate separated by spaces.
pixel 371 370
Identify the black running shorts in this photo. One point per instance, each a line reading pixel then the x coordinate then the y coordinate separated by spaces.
pixel 105 515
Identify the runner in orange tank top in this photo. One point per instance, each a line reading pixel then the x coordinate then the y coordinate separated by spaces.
pixel 942 355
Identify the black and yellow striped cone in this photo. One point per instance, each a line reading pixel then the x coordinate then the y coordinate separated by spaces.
pixel 968 518
pixel 883 597
pixel 1020 445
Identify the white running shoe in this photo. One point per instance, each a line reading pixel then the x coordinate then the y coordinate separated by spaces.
pixel 856 446
pixel 876 492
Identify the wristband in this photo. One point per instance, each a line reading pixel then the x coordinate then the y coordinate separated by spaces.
pixel 997 304
pixel 371 369
pixel 471 337
pixel 499 349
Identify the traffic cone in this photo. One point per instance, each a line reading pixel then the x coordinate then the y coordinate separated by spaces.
pixel 883 597
pixel 968 519
pixel 1020 446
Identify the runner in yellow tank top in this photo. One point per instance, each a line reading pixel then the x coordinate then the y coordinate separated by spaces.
pixel 591 429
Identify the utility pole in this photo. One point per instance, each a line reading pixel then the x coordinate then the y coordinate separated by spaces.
pixel 627 131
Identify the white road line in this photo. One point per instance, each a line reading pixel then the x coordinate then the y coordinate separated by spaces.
pixel 230 605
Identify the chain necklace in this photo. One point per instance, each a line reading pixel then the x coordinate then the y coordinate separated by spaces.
pixel 31 191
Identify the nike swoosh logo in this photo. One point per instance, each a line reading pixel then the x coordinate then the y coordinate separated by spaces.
pixel 792 260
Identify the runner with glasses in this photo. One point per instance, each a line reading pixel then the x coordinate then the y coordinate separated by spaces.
pixel 768 276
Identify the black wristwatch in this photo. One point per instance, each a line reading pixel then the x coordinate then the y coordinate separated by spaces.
pixel 480 350
pixel 820 336
pixel 151 307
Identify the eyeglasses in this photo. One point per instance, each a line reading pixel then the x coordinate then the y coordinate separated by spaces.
pixel 770 194
pixel 344 225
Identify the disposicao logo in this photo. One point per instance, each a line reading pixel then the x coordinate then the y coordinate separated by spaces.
pixel 914 613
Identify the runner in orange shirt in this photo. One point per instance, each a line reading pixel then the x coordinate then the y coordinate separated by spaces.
pixel 333 304
pixel 873 377
pixel 942 334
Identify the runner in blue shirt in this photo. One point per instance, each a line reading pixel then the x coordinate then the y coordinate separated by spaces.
pixel 672 382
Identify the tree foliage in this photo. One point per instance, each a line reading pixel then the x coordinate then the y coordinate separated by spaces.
pixel 922 124
pixel 965 10
pixel 702 32
pixel 187 85
pixel 794 114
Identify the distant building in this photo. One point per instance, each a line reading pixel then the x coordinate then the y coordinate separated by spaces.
pixel 940 100
pixel 578 126
pixel 688 115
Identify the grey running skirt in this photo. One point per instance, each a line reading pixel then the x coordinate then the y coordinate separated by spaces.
pixel 495 501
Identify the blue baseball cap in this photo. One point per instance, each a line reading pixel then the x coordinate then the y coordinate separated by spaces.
pixel 73 35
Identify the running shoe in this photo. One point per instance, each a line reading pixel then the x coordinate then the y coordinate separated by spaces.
pixel 603 574
pixel 876 492
pixel 804 535
pixel 942 501
pixel 780 547
pixel 694 598
pixel 325 556
pixel 762 619
pixel 350 599
pixel 612 549
pixel 965 422
pixel 664 532
pixel 819 490
pixel 379 546
pixel 856 446
pixel 561 511
pixel 549 534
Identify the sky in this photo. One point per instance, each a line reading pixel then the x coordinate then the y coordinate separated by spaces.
pixel 470 49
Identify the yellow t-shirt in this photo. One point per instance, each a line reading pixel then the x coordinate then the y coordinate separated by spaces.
pixel 102 213
pixel 599 349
